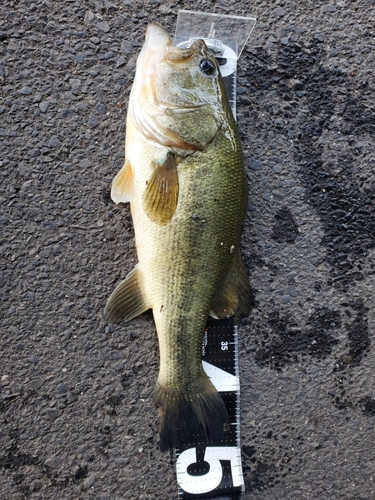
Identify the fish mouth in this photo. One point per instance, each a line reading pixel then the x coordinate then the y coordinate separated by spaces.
pixel 156 37
pixel 179 54
pixel 152 98
pixel 157 43
pixel 159 49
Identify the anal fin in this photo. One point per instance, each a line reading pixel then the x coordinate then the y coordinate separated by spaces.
pixel 122 185
pixel 236 295
pixel 161 195
pixel 127 300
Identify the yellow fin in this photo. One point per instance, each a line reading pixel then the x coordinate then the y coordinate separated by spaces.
pixel 127 300
pixel 122 185
pixel 236 295
pixel 161 195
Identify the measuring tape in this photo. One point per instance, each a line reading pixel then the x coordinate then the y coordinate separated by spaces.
pixel 215 470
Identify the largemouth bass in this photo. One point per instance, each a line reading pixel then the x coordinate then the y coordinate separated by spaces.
pixel 185 181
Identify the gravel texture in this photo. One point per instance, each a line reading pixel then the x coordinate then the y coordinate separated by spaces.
pixel 76 413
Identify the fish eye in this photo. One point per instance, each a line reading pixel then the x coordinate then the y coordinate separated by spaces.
pixel 207 67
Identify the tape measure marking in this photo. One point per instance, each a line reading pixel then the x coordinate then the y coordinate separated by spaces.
pixel 216 470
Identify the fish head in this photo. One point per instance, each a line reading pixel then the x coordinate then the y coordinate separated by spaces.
pixel 178 97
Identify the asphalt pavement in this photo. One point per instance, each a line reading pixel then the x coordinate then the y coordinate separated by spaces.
pixel 76 413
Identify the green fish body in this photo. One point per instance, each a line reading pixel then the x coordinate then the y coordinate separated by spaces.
pixel 185 180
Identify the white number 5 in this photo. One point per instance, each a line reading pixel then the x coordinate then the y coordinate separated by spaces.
pixel 211 480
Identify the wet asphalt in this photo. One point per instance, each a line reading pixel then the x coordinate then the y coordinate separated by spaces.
pixel 76 413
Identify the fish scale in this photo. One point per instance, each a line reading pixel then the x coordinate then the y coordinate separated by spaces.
pixel 194 235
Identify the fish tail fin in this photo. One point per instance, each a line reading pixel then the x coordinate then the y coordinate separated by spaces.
pixel 191 414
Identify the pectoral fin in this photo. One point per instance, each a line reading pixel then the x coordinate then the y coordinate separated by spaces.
pixel 236 295
pixel 161 195
pixel 122 185
pixel 127 300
